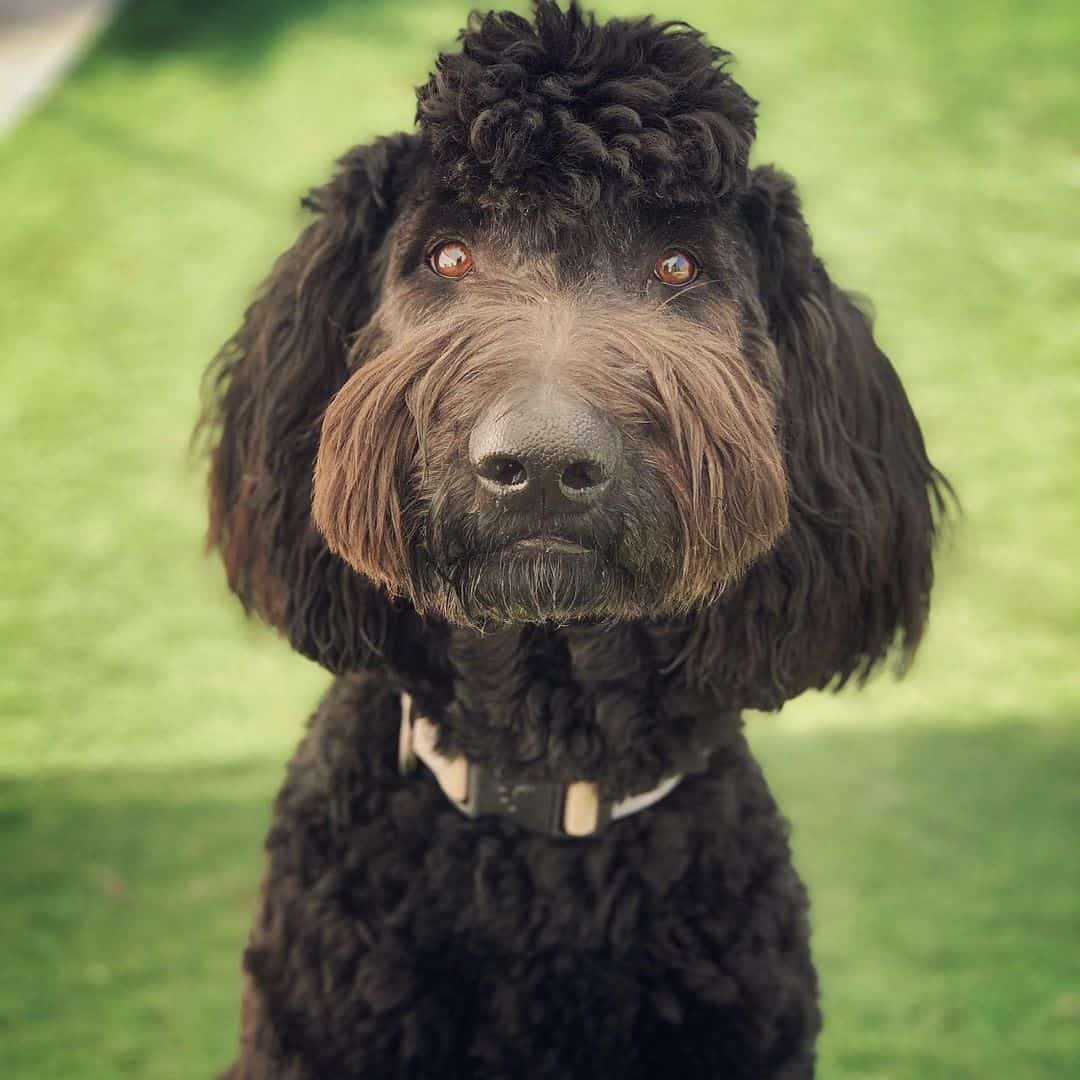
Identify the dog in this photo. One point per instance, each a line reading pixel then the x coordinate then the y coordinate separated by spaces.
pixel 552 439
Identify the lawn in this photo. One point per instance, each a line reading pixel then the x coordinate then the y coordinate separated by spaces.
pixel 145 725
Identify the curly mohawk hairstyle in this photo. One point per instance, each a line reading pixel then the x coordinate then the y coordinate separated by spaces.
pixel 563 109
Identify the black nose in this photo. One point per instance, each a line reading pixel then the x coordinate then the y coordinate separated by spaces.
pixel 544 452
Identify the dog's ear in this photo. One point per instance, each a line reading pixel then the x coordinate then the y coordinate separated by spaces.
pixel 264 398
pixel 851 576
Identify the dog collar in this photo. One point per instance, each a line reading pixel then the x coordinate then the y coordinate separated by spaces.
pixel 574 810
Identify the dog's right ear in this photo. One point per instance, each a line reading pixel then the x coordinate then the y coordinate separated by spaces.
pixel 264 398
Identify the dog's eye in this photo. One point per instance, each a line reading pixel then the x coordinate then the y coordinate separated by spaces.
pixel 451 260
pixel 676 268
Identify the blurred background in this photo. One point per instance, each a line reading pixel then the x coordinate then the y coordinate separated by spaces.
pixel 145 725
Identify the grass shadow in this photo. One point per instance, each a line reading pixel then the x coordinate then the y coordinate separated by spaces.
pixel 944 876
pixel 236 33
pixel 126 898
pixel 229 31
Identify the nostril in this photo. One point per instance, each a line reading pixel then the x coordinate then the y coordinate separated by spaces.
pixel 502 470
pixel 581 476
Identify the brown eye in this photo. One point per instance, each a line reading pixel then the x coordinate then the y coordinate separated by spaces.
pixel 676 268
pixel 451 260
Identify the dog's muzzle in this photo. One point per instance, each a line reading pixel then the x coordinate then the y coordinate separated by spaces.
pixel 561 810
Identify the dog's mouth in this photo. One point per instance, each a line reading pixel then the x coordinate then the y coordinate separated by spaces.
pixel 548 545
pixel 527 546
pixel 539 577
pixel 585 567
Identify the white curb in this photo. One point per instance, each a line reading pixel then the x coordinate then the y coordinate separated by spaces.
pixel 39 40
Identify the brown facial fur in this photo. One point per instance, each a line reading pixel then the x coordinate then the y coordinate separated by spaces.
pixel 693 398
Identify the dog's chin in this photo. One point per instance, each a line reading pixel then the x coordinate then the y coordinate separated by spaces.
pixel 540 580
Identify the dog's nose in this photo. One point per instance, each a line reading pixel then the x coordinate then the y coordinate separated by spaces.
pixel 545 452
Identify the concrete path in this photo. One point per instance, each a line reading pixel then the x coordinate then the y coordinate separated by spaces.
pixel 39 39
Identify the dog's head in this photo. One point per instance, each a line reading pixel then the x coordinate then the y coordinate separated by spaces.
pixel 560 355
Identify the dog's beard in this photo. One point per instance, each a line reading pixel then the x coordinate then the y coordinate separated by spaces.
pixel 476 569
pixel 542 584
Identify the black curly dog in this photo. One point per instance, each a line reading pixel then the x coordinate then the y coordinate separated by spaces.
pixel 551 438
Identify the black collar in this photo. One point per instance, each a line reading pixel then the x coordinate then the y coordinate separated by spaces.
pixel 556 809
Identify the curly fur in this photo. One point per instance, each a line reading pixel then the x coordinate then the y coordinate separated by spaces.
pixel 771 531
pixel 634 108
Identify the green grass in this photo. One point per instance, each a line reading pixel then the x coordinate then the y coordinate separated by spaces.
pixel 144 725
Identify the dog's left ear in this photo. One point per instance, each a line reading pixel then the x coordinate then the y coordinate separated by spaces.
pixel 265 395
pixel 851 576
